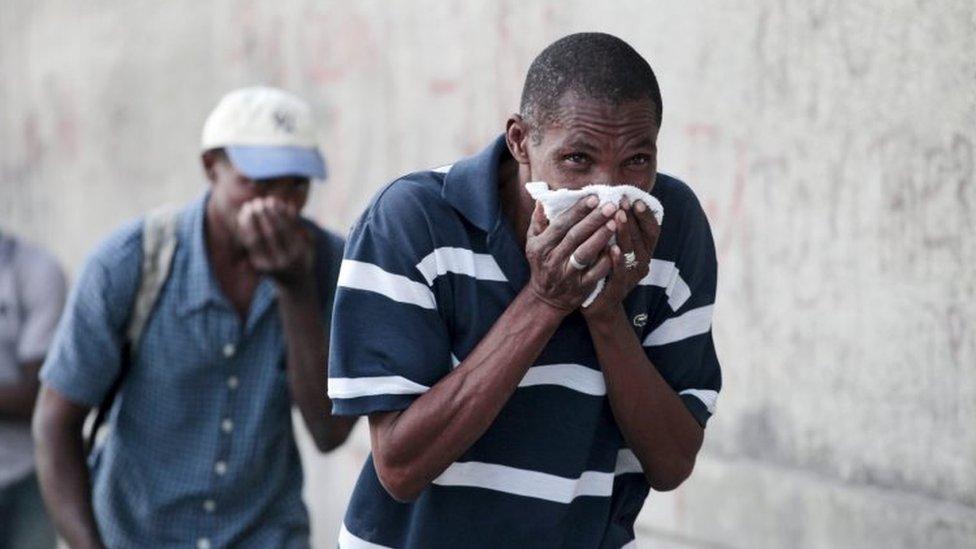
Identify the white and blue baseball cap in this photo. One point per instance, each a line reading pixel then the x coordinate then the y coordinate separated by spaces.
pixel 267 132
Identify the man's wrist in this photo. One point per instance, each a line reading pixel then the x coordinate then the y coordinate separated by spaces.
pixel 297 285
pixel 542 309
pixel 604 318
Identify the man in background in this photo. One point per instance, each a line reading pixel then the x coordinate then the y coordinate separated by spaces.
pixel 32 289
pixel 201 451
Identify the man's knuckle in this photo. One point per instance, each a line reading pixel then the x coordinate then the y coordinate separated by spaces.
pixel 565 219
pixel 573 234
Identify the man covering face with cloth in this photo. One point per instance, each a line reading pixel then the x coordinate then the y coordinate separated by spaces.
pixel 198 329
pixel 528 374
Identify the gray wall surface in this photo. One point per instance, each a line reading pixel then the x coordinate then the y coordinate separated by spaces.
pixel 831 142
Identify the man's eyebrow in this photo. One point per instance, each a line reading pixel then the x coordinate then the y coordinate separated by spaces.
pixel 579 143
pixel 644 143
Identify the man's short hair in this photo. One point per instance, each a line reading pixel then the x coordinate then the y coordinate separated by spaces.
pixel 594 65
pixel 219 153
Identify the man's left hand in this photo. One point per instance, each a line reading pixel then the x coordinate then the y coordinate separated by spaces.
pixel 276 241
pixel 637 233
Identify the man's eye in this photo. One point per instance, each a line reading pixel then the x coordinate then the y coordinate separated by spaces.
pixel 576 158
pixel 640 160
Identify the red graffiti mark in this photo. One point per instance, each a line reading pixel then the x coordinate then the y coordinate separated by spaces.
pixel 956 331
pixel 321 74
pixel 32 139
pixel 711 208
pixel 548 15
pixel 709 131
pixel 342 43
pixel 67 131
pixel 442 86
pixel 501 23
pixel 272 54
pixel 733 217
pixel 246 32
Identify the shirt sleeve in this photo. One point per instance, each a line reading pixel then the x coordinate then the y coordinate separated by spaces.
pixel 42 290
pixel 680 345
pixel 84 358
pixel 328 258
pixel 389 343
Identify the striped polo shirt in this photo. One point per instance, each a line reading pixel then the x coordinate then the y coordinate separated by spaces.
pixel 428 268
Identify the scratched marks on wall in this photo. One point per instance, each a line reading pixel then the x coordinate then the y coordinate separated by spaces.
pixel 838 174
pixel 928 194
pixel 44 132
pixel 828 140
pixel 859 25
pixel 338 41
pixel 256 39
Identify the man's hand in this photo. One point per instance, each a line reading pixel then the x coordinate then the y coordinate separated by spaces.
pixel 654 422
pixel 277 243
pixel 582 232
pixel 637 233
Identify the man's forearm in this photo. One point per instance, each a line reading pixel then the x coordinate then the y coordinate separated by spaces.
pixel 413 447
pixel 653 420
pixel 64 478
pixel 307 364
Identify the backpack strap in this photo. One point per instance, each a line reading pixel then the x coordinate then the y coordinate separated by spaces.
pixel 158 248
pixel 159 242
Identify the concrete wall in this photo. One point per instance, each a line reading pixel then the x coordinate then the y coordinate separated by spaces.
pixel 832 143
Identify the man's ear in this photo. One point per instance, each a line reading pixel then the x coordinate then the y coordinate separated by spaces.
pixel 209 160
pixel 517 138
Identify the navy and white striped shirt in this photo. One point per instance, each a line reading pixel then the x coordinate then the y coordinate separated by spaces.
pixel 428 269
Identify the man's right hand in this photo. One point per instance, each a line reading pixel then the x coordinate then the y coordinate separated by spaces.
pixel 277 243
pixel 583 232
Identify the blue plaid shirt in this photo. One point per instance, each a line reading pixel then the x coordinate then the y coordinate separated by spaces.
pixel 202 452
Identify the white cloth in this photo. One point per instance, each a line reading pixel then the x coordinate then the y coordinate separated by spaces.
pixel 555 202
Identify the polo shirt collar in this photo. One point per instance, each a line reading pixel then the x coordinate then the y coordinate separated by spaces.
pixel 471 186
pixel 200 287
